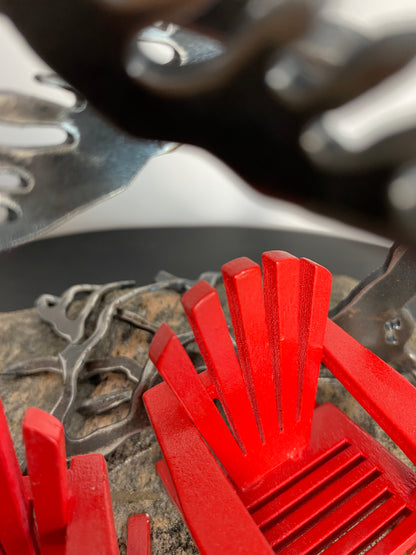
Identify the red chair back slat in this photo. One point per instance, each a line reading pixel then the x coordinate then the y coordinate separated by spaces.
pixel 297 299
pixel 281 291
pixel 91 527
pixel 244 288
pixel 268 392
pixel 176 368
pixel 203 309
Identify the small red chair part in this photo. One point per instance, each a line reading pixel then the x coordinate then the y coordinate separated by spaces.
pixel 138 535
pixel 248 459
pixel 55 510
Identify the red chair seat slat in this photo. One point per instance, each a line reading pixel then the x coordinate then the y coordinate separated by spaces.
pixel 325 501
pixel 371 527
pixel 400 539
pixel 306 487
pixel 342 519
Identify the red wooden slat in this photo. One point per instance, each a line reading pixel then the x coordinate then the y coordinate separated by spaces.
pixel 44 440
pixel 315 291
pixel 384 393
pixel 276 481
pixel 174 365
pixel 399 540
pixel 16 532
pixel 367 530
pixel 91 523
pixel 339 520
pixel 304 488
pixel 243 285
pixel 204 312
pixel 300 508
pixel 324 501
pixel 281 288
pixel 138 535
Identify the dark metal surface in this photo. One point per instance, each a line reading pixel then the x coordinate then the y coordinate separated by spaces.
pixel 377 314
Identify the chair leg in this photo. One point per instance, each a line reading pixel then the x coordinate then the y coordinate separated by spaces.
pixel 91 526
pixel 138 535
pixel 16 522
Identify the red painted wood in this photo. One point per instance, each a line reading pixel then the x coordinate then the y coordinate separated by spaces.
pixel 44 440
pixel 215 516
pixel 314 296
pixel 244 288
pixel 384 393
pixel 91 524
pixel 402 538
pixel 341 520
pixel 372 526
pixel 203 309
pixel 281 286
pixel 307 486
pixel 164 474
pixel 246 387
pixel 138 535
pixel 318 478
pixel 297 299
pixel 72 508
pixel 176 368
pixel 16 532
pixel 322 502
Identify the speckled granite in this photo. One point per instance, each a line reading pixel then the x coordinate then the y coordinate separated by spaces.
pixel 134 483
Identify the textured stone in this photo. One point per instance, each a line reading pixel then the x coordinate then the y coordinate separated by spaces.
pixel 134 483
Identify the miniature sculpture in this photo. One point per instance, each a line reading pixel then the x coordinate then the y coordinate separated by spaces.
pixel 76 361
pixel 253 465
pixel 54 510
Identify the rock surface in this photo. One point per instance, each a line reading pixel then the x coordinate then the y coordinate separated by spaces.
pixel 134 483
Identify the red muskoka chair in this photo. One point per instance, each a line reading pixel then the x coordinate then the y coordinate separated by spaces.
pixel 249 460
pixel 53 510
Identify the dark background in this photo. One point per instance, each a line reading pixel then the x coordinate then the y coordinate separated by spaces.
pixel 52 265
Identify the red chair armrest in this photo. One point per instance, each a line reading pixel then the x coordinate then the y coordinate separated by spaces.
pixel 215 515
pixel 384 393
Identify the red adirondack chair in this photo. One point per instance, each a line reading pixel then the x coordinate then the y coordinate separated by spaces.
pixel 53 510
pixel 250 461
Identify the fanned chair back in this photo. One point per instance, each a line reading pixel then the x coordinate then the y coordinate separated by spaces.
pixel 267 389
pixel 287 483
